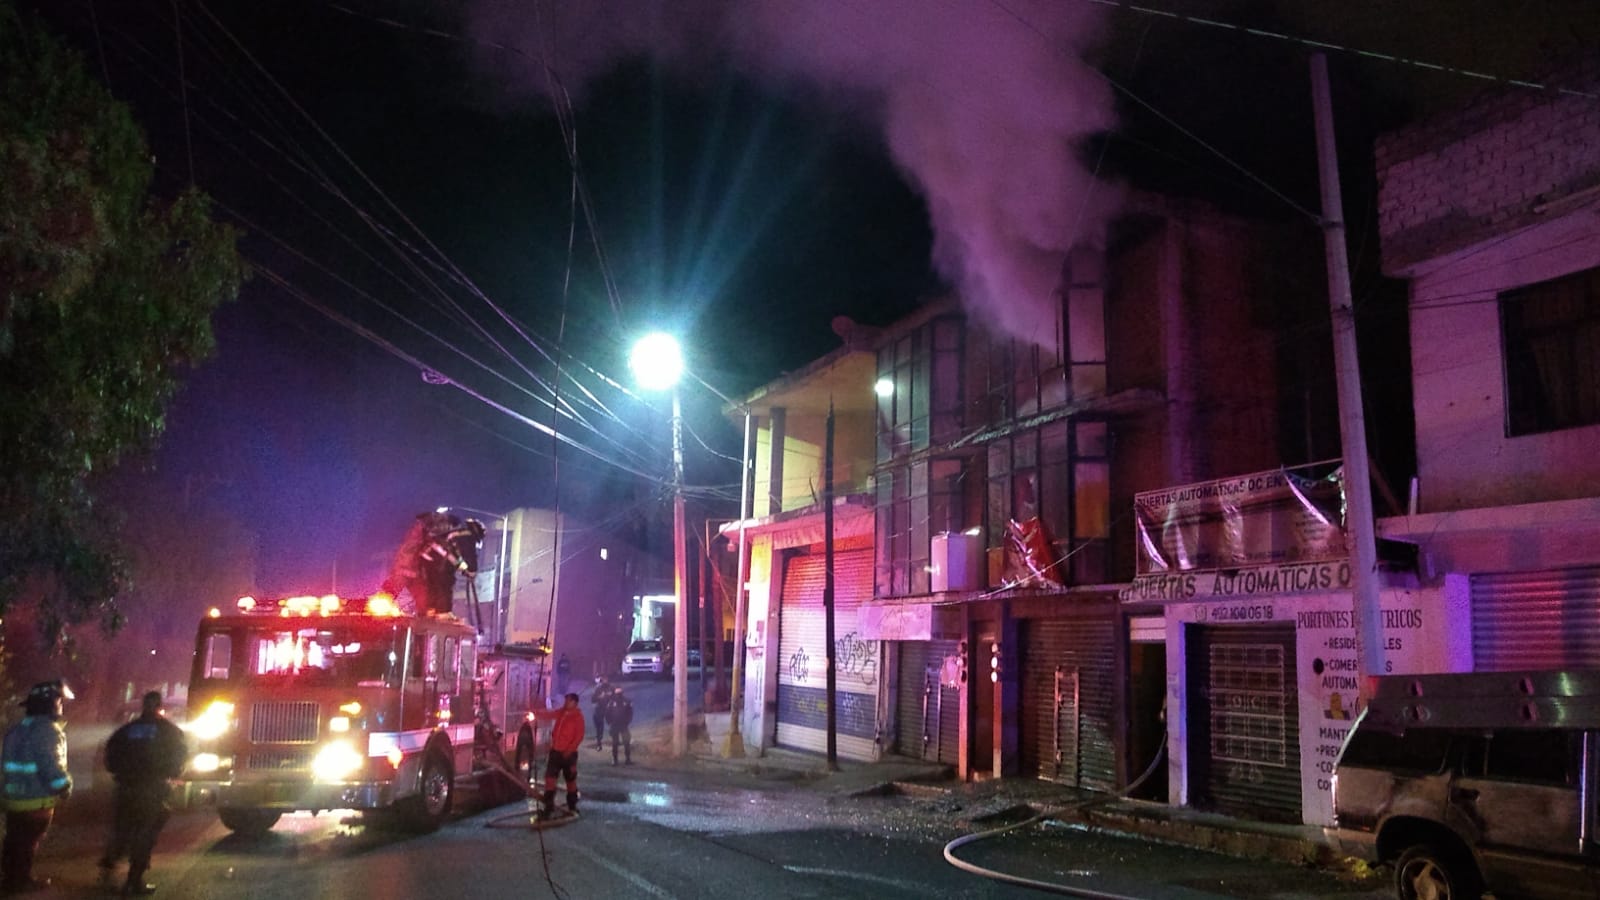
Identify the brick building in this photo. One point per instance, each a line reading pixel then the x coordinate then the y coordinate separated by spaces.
pixel 1492 214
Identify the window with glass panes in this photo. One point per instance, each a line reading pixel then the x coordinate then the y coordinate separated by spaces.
pixel 920 407
pixel 1022 378
pixel 1060 473
pixel 1551 334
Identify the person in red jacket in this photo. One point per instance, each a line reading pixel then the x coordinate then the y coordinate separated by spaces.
pixel 566 736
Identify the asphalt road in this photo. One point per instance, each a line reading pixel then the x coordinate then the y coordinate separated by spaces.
pixel 663 829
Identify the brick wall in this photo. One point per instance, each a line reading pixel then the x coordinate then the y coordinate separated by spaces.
pixel 1488 168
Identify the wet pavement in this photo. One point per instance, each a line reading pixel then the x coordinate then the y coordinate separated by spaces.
pixel 776 825
pixel 1075 841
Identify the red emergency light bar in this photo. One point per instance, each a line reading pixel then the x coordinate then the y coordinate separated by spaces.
pixel 379 604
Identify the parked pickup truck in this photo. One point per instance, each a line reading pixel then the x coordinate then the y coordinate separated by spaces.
pixel 1476 781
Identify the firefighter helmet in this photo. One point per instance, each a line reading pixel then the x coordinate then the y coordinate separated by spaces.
pixel 43 697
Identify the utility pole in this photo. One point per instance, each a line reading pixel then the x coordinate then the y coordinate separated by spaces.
pixel 1359 522
pixel 680 577
pixel 735 747
pixel 827 593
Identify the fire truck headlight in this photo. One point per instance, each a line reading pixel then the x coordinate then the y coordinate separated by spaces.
pixel 336 762
pixel 205 762
pixel 214 722
pixel 339 723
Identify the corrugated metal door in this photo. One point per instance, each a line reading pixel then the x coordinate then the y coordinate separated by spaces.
pixel 1069 703
pixel 1536 620
pixel 927 712
pixel 802 661
pixel 1244 715
pixel 916 701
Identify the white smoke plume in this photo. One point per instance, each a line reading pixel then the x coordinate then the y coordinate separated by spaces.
pixel 982 104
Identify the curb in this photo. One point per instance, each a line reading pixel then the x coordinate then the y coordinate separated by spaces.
pixel 1295 845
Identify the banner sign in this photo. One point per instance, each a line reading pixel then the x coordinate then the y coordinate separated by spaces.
pixel 1189 587
pixel 1265 519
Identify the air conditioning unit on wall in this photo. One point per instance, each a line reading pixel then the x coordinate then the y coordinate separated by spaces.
pixel 957 562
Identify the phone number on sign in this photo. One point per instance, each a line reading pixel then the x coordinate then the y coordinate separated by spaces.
pixel 1257 612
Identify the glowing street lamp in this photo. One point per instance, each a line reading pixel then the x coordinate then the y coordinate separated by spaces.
pixel 657 364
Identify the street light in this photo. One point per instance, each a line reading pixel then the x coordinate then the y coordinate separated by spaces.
pixel 498 632
pixel 657 364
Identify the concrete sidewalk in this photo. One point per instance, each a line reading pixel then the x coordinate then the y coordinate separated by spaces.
pixel 1010 799
pixel 1017 798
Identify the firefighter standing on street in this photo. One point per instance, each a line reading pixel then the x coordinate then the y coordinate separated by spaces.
pixel 143 756
pixel 566 736
pixel 619 715
pixel 36 779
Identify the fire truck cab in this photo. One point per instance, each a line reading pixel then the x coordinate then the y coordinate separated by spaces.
pixel 316 703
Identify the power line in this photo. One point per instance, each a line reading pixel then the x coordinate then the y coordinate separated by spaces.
pixel 1315 44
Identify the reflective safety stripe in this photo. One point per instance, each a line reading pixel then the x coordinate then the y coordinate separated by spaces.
pixel 380 743
pixel 60 783
pixel 22 767
pixel 36 803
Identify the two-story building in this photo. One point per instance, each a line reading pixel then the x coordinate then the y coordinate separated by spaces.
pixel 981 556
pixel 784 642
pixel 1491 212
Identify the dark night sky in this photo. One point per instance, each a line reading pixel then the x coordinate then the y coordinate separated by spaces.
pixel 751 177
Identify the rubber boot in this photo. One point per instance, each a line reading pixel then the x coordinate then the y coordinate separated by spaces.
pixel 572 801
pixel 137 886
pixel 547 804
pixel 628 757
pixel 613 755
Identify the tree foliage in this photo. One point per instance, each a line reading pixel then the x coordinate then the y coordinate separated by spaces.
pixel 106 292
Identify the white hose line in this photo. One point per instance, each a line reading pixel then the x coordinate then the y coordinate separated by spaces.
pixel 1051 887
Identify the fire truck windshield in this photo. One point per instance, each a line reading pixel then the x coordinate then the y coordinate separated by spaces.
pixel 290 652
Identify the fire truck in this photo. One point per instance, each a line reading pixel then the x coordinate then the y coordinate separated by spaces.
pixel 321 703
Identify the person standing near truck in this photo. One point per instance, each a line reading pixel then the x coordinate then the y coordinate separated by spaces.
pixel 566 736
pixel 36 780
pixel 144 756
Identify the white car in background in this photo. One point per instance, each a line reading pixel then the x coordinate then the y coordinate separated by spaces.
pixel 648 656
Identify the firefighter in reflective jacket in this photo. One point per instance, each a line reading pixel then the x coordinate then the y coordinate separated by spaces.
pixel 566 736
pixel 434 550
pixel 143 755
pixel 36 779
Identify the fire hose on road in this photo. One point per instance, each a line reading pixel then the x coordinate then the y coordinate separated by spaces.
pixel 950 848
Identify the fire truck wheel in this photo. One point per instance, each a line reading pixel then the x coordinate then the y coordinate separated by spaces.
pixel 431 806
pixel 248 822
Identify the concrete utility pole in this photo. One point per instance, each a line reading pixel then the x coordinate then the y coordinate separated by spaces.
pixel 827 593
pixel 735 747
pixel 680 620
pixel 1359 521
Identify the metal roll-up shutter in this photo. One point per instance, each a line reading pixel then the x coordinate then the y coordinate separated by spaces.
pixel 802 664
pixel 1536 620
pixel 916 701
pixel 949 742
pixel 1244 721
pixel 927 712
pixel 1069 693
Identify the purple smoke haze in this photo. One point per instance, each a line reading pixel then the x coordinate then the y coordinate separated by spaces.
pixel 981 105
